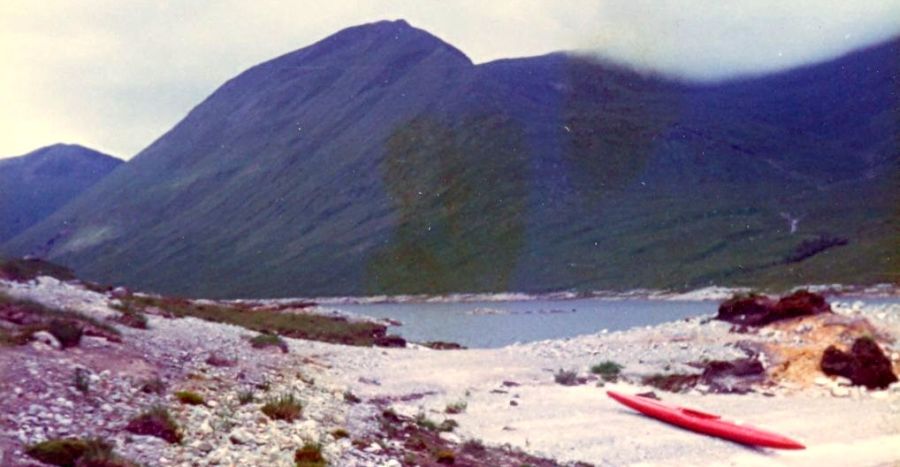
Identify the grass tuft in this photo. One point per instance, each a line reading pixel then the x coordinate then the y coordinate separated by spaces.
pixel 566 377
pixel 246 397
pixel 310 455
pixel 286 408
pixel 265 341
pixel 76 452
pixel 189 398
pixel 456 407
pixel 153 386
pixel 156 422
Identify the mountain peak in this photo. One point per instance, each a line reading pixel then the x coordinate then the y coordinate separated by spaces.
pixel 373 42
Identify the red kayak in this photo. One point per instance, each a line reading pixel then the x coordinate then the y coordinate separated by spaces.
pixel 706 423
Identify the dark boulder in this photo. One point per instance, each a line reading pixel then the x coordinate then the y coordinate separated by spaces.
pixel 441 345
pixel 390 341
pixel 759 310
pixel 865 364
pixel 733 377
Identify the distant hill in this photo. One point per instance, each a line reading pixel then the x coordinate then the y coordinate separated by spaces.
pixel 35 185
pixel 381 160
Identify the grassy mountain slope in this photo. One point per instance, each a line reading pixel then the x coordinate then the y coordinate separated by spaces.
pixel 380 160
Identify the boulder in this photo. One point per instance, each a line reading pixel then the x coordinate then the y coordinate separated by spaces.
pixel 759 310
pixel 47 338
pixel 733 377
pixel 865 364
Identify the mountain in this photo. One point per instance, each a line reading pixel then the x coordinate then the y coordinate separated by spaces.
pixel 35 185
pixel 381 160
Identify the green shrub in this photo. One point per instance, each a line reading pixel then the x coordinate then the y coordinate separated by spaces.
pixel 285 408
pixel 608 370
pixel 189 398
pixel 156 422
pixel 310 455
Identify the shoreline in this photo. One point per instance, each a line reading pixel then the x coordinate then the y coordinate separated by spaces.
pixel 712 293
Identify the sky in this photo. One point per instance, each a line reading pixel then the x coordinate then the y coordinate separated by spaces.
pixel 116 75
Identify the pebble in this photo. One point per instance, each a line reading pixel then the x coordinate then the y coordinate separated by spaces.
pixel 840 391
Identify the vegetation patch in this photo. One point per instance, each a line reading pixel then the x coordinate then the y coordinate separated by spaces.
pixel 156 422
pixel 63 452
pixel 189 398
pixel 607 370
pixel 310 455
pixel 76 452
pixel 456 407
pixel 28 317
pixel 340 433
pixel 285 408
pixel 266 341
pixel 246 397
pixel 336 330
pixel 153 386
pixel 26 269
pixel 130 316
pixel 568 378
pixel 417 442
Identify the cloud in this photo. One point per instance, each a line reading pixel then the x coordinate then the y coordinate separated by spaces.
pixel 116 75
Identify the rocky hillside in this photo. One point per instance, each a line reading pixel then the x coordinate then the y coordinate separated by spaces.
pixel 381 160
pixel 37 184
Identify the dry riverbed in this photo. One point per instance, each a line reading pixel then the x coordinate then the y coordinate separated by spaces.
pixel 368 406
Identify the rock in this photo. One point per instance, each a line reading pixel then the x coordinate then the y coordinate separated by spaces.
pixel 373 448
pixel 822 381
pixel 238 436
pixel 759 310
pixel 48 339
pixel 205 428
pixel 390 341
pixel 840 391
pixel 865 364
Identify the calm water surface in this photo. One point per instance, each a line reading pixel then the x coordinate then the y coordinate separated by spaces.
pixel 525 321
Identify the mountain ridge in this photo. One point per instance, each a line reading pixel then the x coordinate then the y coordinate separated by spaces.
pixel 345 180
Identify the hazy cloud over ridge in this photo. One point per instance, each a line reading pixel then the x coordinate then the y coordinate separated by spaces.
pixel 115 75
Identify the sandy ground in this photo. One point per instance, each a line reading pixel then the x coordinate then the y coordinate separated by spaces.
pixel 581 423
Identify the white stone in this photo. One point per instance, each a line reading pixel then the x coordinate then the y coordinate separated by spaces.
pixel 840 391
pixel 822 381
pixel 48 339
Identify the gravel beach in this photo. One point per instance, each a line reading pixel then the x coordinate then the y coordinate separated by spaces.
pixel 503 397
